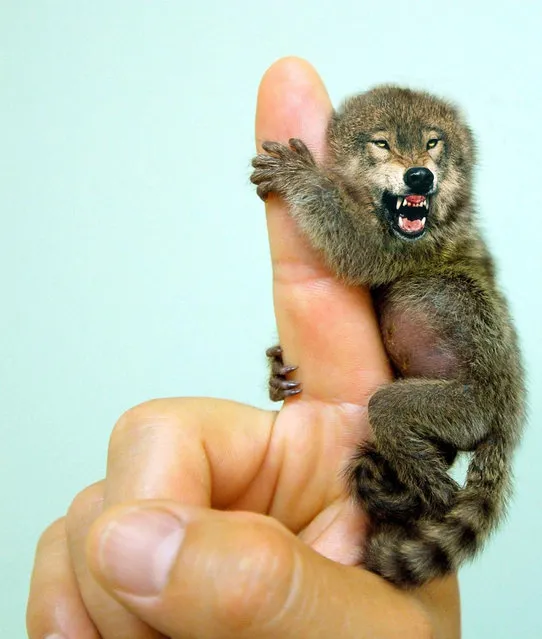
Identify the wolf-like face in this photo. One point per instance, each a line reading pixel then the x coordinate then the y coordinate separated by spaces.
pixel 410 153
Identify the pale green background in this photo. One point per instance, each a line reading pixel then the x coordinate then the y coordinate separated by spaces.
pixel 134 258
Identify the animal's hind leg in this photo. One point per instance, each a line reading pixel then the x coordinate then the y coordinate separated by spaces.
pixel 413 421
pixel 377 488
pixel 279 386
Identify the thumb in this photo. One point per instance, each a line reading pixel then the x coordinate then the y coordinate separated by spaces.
pixel 191 572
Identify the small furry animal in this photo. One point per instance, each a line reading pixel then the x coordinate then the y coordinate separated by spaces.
pixel 392 208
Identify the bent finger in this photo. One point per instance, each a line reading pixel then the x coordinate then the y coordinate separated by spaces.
pixel 224 455
pixel 200 452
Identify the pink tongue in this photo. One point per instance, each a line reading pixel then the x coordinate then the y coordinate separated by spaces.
pixel 411 225
pixel 415 199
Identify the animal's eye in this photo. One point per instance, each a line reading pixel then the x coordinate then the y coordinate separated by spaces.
pixel 432 143
pixel 381 144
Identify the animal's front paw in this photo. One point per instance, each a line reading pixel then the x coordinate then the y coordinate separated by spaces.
pixel 279 169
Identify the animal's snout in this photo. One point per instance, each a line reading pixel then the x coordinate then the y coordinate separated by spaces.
pixel 419 179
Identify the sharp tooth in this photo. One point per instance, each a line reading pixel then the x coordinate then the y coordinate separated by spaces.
pixel 399 202
pixel 426 204
pixel 423 221
pixel 409 203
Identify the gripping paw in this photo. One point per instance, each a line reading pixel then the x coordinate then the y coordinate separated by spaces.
pixel 377 488
pixel 279 387
pixel 276 170
pixel 419 461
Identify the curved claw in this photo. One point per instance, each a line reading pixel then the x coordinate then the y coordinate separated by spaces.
pixel 277 368
pixel 291 392
pixel 283 384
pixel 279 387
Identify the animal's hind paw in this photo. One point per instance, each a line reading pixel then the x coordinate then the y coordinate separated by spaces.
pixel 377 488
pixel 279 387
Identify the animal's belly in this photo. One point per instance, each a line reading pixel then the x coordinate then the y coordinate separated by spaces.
pixel 415 345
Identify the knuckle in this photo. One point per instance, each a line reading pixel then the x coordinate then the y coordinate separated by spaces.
pixel 138 418
pixel 157 415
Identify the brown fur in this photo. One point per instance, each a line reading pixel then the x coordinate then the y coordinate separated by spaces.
pixel 445 324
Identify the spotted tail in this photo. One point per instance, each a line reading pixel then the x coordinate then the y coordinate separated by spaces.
pixel 409 557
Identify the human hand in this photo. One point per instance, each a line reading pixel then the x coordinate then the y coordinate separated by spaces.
pixel 270 538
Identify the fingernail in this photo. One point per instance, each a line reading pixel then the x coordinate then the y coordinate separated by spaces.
pixel 54 636
pixel 138 550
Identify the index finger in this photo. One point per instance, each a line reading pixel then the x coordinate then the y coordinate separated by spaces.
pixel 193 451
pixel 327 329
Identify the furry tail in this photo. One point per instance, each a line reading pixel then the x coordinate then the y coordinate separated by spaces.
pixel 411 556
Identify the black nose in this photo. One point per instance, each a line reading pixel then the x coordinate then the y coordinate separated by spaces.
pixel 419 179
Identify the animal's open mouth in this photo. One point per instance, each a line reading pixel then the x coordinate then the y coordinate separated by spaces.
pixel 408 214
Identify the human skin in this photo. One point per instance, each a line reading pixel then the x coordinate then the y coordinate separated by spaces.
pixel 270 540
